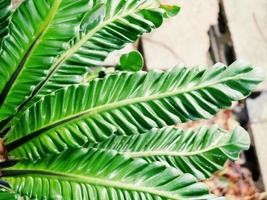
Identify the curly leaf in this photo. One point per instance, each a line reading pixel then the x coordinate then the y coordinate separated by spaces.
pixel 90 174
pixel 201 152
pixel 53 43
pixel 170 10
pixel 132 61
pixel 124 104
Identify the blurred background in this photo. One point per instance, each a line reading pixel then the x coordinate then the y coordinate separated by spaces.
pixel 210 31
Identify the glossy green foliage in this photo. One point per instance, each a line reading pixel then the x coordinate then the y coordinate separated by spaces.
pixel 7 195
pixel 55 42
pixel 170 10
pixel 90 174
pixel 201 152
pixel 132 61
pixel 126 103
pixel 5 11
pixel 75 130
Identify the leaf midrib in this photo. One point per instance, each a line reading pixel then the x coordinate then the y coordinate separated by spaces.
pixel 151 153
pixel 25 58
pixel 90 112
pixel 93 181
pixel 74 49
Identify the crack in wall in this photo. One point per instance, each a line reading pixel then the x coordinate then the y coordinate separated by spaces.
pixel 222 50
pixel 221 44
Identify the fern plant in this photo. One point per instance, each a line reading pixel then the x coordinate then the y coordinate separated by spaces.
pixel 70 133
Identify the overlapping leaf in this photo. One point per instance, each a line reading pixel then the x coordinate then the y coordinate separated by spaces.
pixel 201 152
pixel 5 11
pixel 7 195
pixel 89 174
pixel 52 43
pixel 35 37
pixel 124 104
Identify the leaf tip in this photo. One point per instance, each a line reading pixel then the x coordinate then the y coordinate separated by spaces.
pixel 132 61
pixel 170 10
pixel 241 138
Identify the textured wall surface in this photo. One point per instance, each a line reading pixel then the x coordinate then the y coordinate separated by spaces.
pixel 183 39
pixel 247 21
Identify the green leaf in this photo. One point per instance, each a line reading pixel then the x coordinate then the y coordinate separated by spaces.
pixel 34 41
pixel 171 10
pixel 201 152
pixel 90 174
pixel 7 195
pixel 127 103
pixel 132 61
pixel 53 43
pixel 5 11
